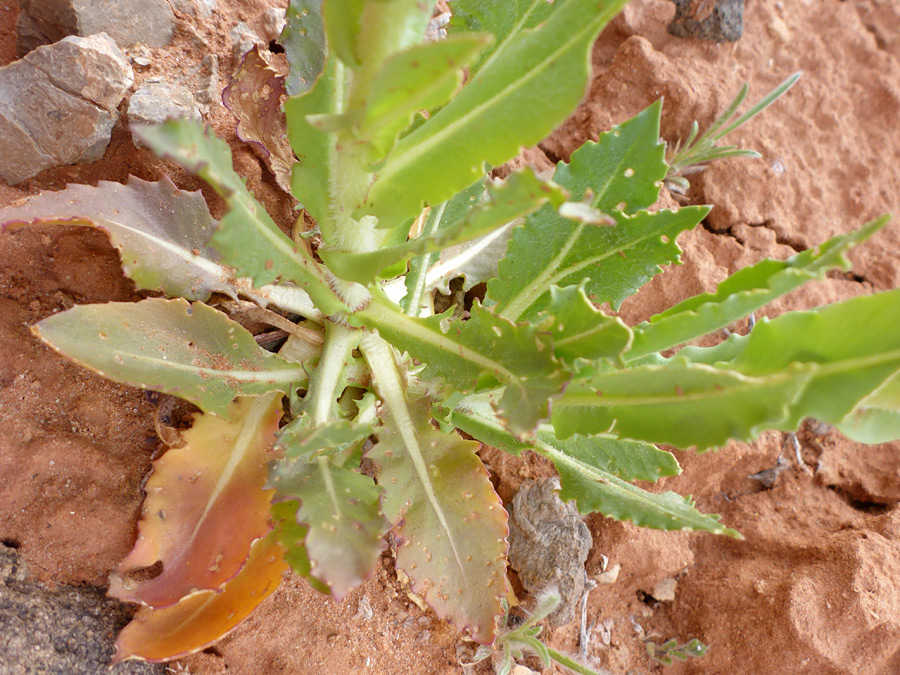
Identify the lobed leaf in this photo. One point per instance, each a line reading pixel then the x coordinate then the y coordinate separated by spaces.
pixel 681 403
pixel 189 350
pixel 303 39
pixel 200 619
pixel 595 489
pixel 519 194
pixel 611 262
pixel 513 101
pixel 743 292
pixel 339 508
pixel 247 239
pixel 301 439
pixel 450 526
pixel 205 506
pixel 254 96
pixel 159 231
pixel 291 535
pixel 479 353
pixel 581 331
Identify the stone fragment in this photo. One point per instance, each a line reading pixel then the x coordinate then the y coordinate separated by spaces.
pixel 273 21
pixel 68 630
pixel 664 591
pixel 126 21
pixel 548 544
pixel 195 8
pixel 58 105
pixel 156 102
pixel 711 20
pixel 243 39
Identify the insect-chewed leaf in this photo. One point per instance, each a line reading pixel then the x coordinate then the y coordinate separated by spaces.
pixel 521 193
pixel 612 262
pixel 622 171
pixel 580 330
pixel 198 620
pixel 743 292
pixel 419 78
pixel 159 231
pixel 189 350
pixel 303 39
pixel 515 100
pixel 254 96
pixel 585 479
pixel 247 239
pixel 681 403
pixel 340 510
pixel 503 20
pixel 302 438
pixel 205 506
pixel 481 352
pixel 450 524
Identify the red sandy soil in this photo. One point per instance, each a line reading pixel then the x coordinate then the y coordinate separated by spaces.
pixel 815 585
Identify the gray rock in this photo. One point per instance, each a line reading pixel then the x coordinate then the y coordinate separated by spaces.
pixel 243 39
pixel 714 20
pixel 65 631
pixel 195 8
pixel 273 22
pixel 126 21
pixel 58 105
pixel 156 102
pixel 548 544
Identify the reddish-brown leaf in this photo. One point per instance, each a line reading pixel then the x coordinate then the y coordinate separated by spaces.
pixel 202 618
pixel 254 96
pixel 205 506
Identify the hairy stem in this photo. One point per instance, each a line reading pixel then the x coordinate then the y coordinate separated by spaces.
pixel 339 342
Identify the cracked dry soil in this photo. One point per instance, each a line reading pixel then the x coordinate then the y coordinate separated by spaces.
pixel 815 585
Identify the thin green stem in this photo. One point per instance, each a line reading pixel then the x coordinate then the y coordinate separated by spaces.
pixel 418 267
pixel 570 663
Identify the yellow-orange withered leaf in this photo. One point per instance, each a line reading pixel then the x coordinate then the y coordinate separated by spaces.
pixel 205 505
pixel 200 619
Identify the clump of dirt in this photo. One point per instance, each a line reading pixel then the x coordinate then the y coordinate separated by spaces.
pixel 813 587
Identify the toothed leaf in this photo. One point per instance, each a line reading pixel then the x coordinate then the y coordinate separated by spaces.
pixel 205 506
pixel 247 239
pixel 581 331
pixel 189 350
pixel 198 620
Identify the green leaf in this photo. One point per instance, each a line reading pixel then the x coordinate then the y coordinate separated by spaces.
pixel 514 101
pixel 519 194
pixel 343 23
pixel 450 524
pixel 291 535
pixel 479 353
pixel 595 489
pixel 581 331
pixel 476 415
pixel 188 350
pixel 340 508
pixel 422 77
pixel 681 403
pixel 743 292
pixel 247 239
pixel 159 231
pixel 311 178
pixel 613 262
pixel 624 458
pixel 871 425
pixel 503 19
pixel 623 168
pixel 301 438
pixel 303 39
pixel 849 350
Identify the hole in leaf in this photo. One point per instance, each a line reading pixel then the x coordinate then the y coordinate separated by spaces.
pixel 146 573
